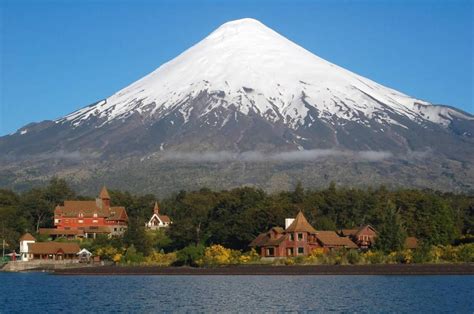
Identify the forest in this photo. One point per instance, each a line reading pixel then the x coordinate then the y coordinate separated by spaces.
pixel 233 218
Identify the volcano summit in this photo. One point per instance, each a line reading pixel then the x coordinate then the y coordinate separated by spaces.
pixel 247 106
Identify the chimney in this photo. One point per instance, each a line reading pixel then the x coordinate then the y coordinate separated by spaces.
pixel 288 222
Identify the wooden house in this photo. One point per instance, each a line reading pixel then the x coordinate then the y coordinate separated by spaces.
pixel 298 238
pixel 363 236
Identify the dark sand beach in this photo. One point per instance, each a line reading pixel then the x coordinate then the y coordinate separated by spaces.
pixel 395 269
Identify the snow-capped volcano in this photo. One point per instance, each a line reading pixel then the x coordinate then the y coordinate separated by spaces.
pixel 273 111
pixel 247 67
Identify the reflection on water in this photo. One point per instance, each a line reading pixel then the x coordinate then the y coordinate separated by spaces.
pixel 48 293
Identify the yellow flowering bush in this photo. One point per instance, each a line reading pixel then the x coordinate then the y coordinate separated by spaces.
pixel 316 256
pixel 449 254
pixel 107 252
pixel 217 255
pixel 160 259
pixel 253 256
pixel 436 252
pixel 372 257
pixel 117 258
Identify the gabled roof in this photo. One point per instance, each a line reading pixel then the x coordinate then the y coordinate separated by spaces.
pixel 156 213
pixel 117 213
pixel 27 237
pixel 259 240
pixel 104 194
pixel 84 251
pixel 300 224
pixel 53 248
pixel 362 228
pixel 87 208
pixel 348 232
pixel 278 229
pixel 332 239
pixel 162 218
pixel 264 239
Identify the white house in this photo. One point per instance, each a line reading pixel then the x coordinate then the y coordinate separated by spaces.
pixel 158 221
pixel 25 239
pixel 84 255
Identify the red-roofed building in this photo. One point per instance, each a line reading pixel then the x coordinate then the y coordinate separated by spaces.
pixel 298 238
pixel 89 218
pixel 363 236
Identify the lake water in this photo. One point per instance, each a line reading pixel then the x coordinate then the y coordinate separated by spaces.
pixel 41 292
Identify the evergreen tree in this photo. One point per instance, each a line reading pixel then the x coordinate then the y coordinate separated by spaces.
pixel 391 234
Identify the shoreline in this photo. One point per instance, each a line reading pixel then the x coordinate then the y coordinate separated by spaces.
pixel 261 270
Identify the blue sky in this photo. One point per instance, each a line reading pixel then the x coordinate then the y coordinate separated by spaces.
pixel 58 56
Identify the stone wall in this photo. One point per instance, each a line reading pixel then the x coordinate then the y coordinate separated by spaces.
pixel 40 265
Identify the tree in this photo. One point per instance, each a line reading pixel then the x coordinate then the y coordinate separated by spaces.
pixel 137 236
pixel 38 208
pixel 298 193
pixel 57 191
pixel 391 235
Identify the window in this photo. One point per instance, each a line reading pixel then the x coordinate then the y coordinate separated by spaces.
pixel 300 250
pixel 81 221
pixel 290 251
pixel 292 237
pixel 271 251
pixel 95 215
pixel 300 237
pixel 81 215
pixel 95 221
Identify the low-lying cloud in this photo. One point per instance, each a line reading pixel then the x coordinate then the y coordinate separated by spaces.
pixel 292 156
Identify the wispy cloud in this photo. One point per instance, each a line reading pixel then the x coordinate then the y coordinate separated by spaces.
pixel 61 154
pixel 292 156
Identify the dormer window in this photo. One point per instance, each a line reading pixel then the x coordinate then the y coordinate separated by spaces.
pixel 81 215
pixel 95 215
pixel 292 237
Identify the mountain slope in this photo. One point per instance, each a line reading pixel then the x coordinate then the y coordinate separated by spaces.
pixel 246 94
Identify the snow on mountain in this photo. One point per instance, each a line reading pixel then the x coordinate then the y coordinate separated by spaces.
pixel 249 68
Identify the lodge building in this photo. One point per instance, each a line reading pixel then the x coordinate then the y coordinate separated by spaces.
pixel 57 251
pixel 87 219
pixel 298 238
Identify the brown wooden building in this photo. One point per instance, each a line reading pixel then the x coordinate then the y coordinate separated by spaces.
pixel 298 239
pixel 363 236
pixel 53 251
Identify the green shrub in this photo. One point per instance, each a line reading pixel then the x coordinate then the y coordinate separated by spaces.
pixel 190 255
pixel 132 256
pixel 466 253
pixel 353 257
